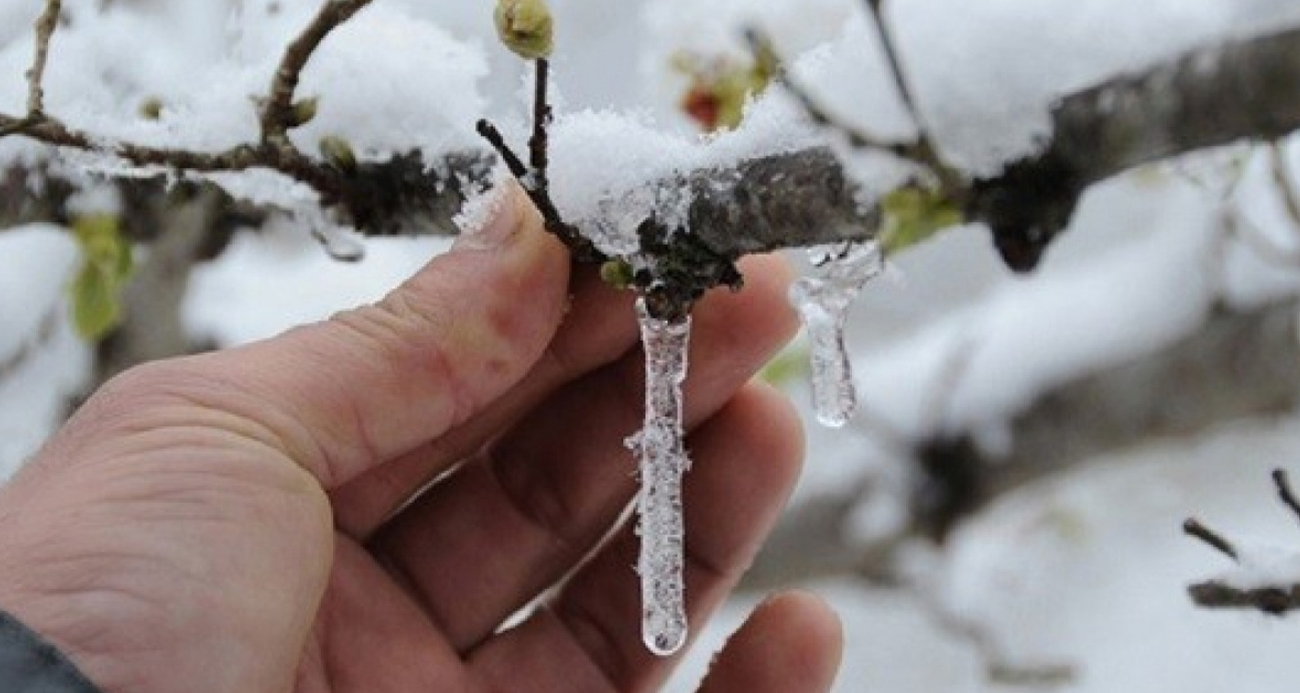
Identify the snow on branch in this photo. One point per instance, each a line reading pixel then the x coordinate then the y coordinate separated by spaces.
pixel 1266 578
pixel 1244 89
pixel 1247 89
pixel 376 197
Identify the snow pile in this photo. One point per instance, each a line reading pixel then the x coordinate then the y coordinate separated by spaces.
pixel 612 171
pixel 42 362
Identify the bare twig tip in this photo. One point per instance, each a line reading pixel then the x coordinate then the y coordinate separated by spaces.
pixel 1193 528
pixel 1285 492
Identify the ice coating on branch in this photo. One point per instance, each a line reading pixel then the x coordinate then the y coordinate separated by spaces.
pixel 661 458
pixel 823 301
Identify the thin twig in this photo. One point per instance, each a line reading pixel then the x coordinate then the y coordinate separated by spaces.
pixel 277 113
pixel 895 63
pixel 1194 528
pixel 1239 226
pixel 539 142
pixel 1276 599
pixel 919 151
pixel 923 150
pixel 533 181
pixel 237 158
pixel 1285 492
pixel 532 177
pixel 46 24
pixel 761 44
pixel 489 132
pixel 1285 180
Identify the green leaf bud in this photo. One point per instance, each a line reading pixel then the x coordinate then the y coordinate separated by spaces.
pixel 304 111
pixel 151 108
pixel 338 153
pixel 525 27
pixel 616 273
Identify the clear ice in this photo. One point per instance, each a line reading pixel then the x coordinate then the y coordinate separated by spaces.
pixel 339 243
pixel 662 460
pixel 823 300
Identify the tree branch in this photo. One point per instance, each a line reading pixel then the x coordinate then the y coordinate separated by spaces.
pixel 1275 599
pixel 379 198
pixel 1241 90
pixel 1098 413
pixel 45 27
pixel 1270 600
pixel 1078 421
pixel 1212 96
pixel 278 111
pixel 1247 89
pixel 1244 89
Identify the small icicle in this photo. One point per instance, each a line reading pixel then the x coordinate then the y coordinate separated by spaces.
pixel 339 243
pixel 662 460
pixel 823 301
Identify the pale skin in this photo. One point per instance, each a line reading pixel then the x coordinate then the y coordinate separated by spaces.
pixel 238 521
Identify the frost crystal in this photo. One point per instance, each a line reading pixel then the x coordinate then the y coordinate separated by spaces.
pixel 823 302
pixel 661 457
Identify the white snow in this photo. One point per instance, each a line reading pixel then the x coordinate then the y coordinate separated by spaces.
pixel 1088 569
pixel 42 362
pixel 271 280
pixel 610 171
pixel 1263 565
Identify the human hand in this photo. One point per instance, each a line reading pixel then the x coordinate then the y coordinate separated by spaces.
pixel 238 521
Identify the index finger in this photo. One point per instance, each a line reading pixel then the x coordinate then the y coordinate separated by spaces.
pixel 343 396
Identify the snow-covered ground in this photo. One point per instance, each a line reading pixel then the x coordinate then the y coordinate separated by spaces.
pixel 1086 570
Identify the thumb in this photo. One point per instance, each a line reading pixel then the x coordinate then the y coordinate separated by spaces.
pixel 342 396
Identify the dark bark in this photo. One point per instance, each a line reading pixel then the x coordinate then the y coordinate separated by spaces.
pixel 1241 90
pixel 1270 600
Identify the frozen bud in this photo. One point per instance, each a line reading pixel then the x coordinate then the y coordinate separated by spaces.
pixel 304 111
pixel 151 108
pixel 617 273
pixel 525 27
pixel 338 153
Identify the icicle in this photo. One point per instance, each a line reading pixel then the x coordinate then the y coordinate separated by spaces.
pixel 662 460
pixel 339 243
pixel 823 303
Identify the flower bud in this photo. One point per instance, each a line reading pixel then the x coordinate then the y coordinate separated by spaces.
pixel 338 153
pixel 617 273
pixel 304 111
pixel 525 27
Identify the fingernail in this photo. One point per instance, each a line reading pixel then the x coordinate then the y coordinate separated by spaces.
pixel 499 212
